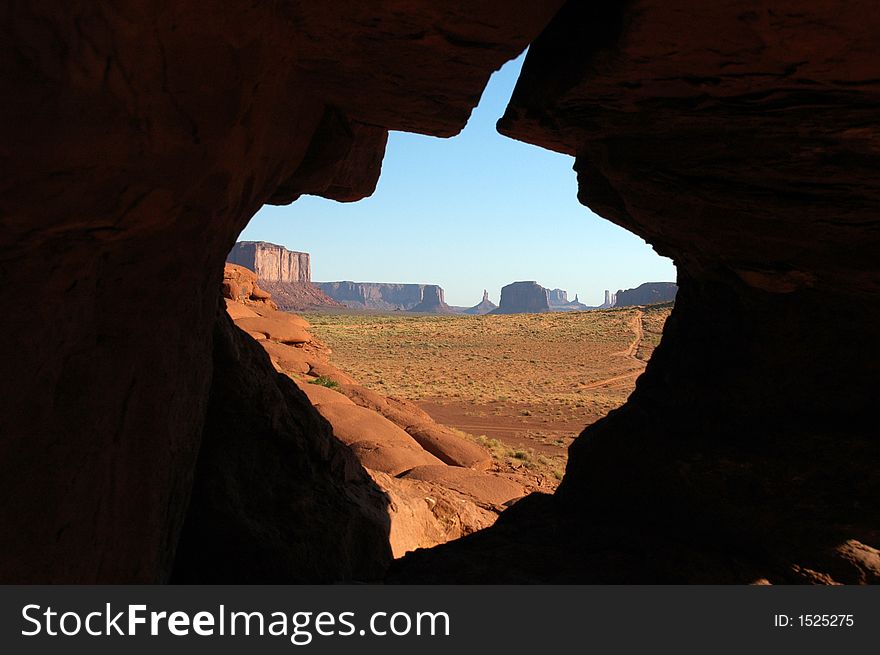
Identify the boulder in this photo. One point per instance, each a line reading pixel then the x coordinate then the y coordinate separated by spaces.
pixel 377 442
pixel 482 487
pixel 237 310
pixel 320 395
pixel 437 439
pixel 281 327
pixel 320 368
pixel 424 514
pixel 288 359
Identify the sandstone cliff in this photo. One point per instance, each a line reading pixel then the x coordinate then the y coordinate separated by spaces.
pixel 298 296
pixel 271 262
pixel 283 273
pixel 648 293
pixel 384 296
pixel 557 297
pixel 523 298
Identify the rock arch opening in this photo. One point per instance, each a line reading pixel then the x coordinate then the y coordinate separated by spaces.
pixel 417 377
pixel 139 141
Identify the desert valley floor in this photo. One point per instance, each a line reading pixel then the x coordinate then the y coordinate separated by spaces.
pixel 524 385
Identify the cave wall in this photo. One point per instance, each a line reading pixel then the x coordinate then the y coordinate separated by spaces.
pixel 739 139
pixel 137 141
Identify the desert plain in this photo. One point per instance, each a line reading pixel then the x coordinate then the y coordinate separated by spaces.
pixel 523 385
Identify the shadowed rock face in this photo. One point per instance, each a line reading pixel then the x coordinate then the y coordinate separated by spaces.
pixel 739 139
pixel 138 140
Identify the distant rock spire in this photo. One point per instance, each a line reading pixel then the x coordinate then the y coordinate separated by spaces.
pixel 485 295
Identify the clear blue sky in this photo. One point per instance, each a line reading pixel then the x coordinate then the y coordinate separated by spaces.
pixel 475 211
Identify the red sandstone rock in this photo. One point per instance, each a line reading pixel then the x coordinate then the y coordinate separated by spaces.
pixel 138 140
pixel 288 359
pixel 437 439
pixel 484 487
pixel 424 514
pixel 276 497
pixel 376 442
pixel 320 395
pixel 281 327
pixel 737 139
pixel 237 310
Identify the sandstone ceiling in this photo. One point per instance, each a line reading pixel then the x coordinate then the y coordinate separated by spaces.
pixel 739 138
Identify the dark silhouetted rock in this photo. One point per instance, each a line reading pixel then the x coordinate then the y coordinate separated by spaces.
pixel 276 497
pixel 523 298
pixel 649 293
pixel 137 143
pixel 740 141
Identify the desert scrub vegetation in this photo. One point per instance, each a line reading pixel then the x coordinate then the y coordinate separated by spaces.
pixel 653 320
pixel 505 456
pixel 550 359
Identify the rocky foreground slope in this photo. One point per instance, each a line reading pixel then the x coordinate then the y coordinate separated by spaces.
pixel 437 483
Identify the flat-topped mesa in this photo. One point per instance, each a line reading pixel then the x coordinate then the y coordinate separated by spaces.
pixel 649 293
pixel 271 262
pixel 286 274
pixel 523 298
pixel 385 296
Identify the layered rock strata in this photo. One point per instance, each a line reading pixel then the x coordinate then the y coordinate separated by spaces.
pixel 649 293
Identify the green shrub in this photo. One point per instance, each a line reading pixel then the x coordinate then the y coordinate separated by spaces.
pixel 324 381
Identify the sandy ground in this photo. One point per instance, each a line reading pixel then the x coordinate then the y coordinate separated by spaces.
pixel 524 384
